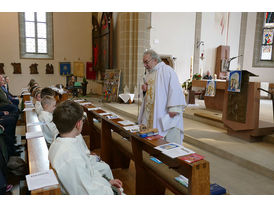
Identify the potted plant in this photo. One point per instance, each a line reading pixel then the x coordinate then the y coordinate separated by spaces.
pixel 84 86
pixel 187 85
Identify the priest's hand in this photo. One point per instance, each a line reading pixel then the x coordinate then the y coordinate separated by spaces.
pixel 144 87
pixel 172 114
pixel 116 182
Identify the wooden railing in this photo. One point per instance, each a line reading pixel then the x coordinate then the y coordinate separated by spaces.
pixel 37 155
pixel 151 178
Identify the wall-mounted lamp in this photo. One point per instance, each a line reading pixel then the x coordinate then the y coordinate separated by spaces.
pixel 199 43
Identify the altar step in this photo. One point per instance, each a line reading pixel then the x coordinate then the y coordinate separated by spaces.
pixel 255 156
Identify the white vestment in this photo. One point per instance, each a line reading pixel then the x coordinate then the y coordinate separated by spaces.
pixel 38 107
pixel 75 172
pixel 167 96
pixel 98 165
pixel 49 128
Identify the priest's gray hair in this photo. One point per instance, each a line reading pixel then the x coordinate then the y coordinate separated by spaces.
pixel 153 55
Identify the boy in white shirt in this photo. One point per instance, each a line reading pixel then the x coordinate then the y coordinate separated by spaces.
pixel 37 101
pixel 70 159
pixel 49 129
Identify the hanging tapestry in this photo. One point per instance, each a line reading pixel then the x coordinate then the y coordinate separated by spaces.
pixel 111 85
pixel 79 69
pixel 105 42
pixel 2 68
pixel 16 68
pixel 210 88
pixel 49 69
pixel 234 82
pixel 95 44
pixel 65 68
pixel 33 68
pixel 90 72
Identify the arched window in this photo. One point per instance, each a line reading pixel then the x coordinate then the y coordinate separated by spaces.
pixel 267 37
pixel 36 39
pixel 263 45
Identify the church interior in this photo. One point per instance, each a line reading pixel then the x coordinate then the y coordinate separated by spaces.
pixel 232 130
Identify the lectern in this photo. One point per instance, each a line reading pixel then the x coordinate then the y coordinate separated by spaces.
pixel 241 111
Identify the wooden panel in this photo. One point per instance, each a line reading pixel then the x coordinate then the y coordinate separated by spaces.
pixel 223 52
pixel 216 102
pixel 38 155
pixel 253 106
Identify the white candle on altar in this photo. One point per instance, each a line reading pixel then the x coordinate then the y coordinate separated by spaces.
pixel 191 67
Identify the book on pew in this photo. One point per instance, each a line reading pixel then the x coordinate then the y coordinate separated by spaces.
pixel 182 180
pixel 194 157
pixel 154 137
pixel 216 189
pixel 154 159
pixel 41 179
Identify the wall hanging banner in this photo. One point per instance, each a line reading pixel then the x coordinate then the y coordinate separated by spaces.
pixel 65 68
pixel 210 88
pixel 90 72
pixel 234 82
pixel 79 69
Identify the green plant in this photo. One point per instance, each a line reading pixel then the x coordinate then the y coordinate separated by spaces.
pixel 197 76
pixel 84 80
pixel 187 85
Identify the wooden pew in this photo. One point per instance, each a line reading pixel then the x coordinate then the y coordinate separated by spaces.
pixel 151 178
pixel 38 155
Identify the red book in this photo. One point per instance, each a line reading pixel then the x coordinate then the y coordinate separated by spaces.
pixel 192 158
pixel 154 137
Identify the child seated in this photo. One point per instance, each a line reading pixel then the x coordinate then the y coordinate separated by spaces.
pixel 37 101
pixel 49 129
pixel 71 160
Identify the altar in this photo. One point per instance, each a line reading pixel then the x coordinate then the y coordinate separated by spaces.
pixel 216 102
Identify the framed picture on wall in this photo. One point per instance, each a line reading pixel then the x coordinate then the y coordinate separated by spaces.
pixel 234 82
pixel 79 69
pixel 65 68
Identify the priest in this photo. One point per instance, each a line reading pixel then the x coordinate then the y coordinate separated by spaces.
pixel 164 101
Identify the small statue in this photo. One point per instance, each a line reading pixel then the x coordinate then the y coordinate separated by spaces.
pixel 207 76
pixel 2 68
pixel 16 68
pixel 33 69
pixel 49 69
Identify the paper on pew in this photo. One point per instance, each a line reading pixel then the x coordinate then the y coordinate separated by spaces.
pixel 28 102
pixel 41 179
pixel 134 128
pixel 113 117
pixel 79 100
pixel 174 150
pixel 94 108
pixel 25 90
pixel 28 109
pixel 35 123
pixel 177 152
pixel 85 103
pixel 126 122
pixel 30 135
pixel 26 93
pixel 105 113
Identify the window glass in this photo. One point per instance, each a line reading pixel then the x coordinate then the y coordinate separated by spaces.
pixel 42 46
pixel 41 30
pixel 29 16
pixel 30 29
pixel 30 45
pixel 41 16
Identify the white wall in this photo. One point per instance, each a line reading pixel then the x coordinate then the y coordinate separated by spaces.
pixel 233 37
pixel 265 74
pixel 175 33
pixel 72 42
pixel 212 35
